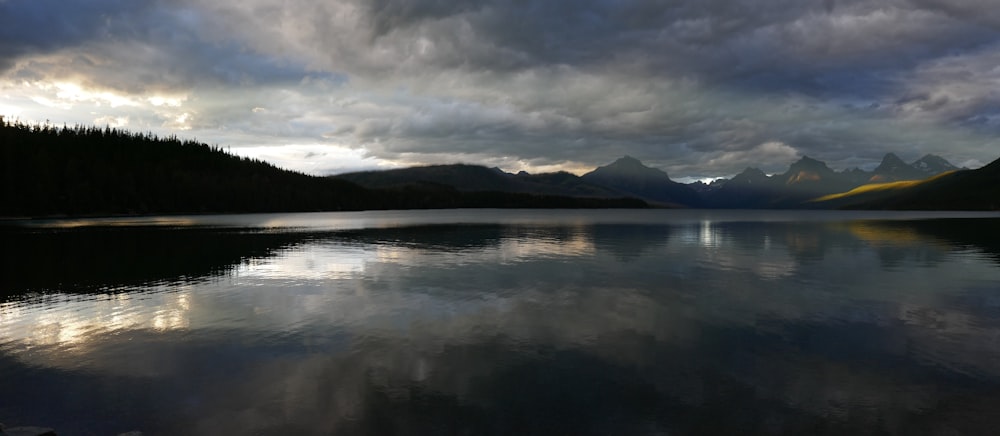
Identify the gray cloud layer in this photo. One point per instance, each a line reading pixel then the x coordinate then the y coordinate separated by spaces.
pixel 699 88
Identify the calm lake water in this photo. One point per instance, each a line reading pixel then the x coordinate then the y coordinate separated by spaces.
pixel 504 322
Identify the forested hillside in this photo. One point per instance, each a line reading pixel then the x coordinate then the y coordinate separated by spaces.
pixel 977 189
pixel 79 170
pixel 89 170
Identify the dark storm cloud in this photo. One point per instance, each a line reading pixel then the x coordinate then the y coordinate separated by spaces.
pixel 697 87
pixel 982 12
pixel 127 45
pixel 705 39
pixel 32 27
pixel 733 60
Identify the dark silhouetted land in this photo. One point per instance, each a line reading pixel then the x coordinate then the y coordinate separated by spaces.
pixel 72 171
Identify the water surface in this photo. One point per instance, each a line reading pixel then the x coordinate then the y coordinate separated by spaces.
pixel 504 322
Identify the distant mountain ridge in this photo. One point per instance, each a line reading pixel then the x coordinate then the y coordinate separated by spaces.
pixel 893 169
pixel 626 177
pixel 933 165
pixel 629 175
pixel 808 178
pixel 474 178
pixel 805 180
pixel 977 189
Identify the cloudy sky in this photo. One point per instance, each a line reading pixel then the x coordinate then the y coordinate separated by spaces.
pixel 698 88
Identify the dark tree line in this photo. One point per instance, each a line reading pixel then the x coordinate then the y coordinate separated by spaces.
pixel 86 170
pixel 90 170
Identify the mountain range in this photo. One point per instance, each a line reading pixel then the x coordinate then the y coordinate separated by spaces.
pixel 808 179
pixel 626 177
pixel 74 171
pixel 930 182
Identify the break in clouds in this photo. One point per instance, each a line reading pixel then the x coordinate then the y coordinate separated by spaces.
pixel 698 88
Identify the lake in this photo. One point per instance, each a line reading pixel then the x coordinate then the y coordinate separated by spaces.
pixel 475 322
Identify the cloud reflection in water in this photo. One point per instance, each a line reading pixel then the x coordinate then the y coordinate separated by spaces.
pixel 767 327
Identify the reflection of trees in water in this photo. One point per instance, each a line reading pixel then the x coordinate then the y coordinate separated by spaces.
pixel 894 242
pixel 927 241
pixel 979 234
pixel 92 259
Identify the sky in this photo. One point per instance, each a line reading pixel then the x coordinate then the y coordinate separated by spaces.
pixel 697 88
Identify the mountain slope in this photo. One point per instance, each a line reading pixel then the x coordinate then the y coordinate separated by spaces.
pixel 956 190
pixel 809 183
pixel 870 192
pixel 933 165
pixel 564 183
pixel 629 175
pixel 809 177
pixel 474 178
pixel 805 179
pixel 461 177
pixel 892 169
pixel 748 189
pixel 959 190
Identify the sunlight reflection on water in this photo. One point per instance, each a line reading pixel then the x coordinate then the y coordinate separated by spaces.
pixel 572 322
